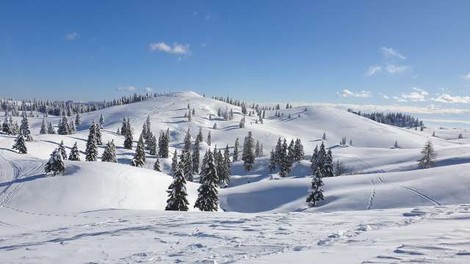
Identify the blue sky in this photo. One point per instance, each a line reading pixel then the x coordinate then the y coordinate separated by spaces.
pixel 361 52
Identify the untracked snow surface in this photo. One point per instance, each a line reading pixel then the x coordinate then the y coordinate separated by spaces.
pixel 384 210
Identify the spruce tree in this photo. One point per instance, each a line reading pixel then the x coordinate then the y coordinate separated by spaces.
pixel 91 151
pixel 272 162
pixel 187 141
pixel 74 153
pixel 174 162
pixel 55 164
pixel 20 144
pixel 187 163
pixel 139 157
pixel 62 151
pixel 78 120
pixel 177 200
pixel 316 193
pixel 328 165
pixel 101 122
pixel 207 199
pixel 63 127
pixel 156 165
pixel 224 167
pixel 50 128
pixel 124 126
pixel 248 156
pixel 236 149
pixel 428 156
pixel 195 156
pixel 209 138
pixel 152 145
pixel 24 129
pixel 285 161
pixel 43 127
pixel 127 135
pixel 109 153
pixel 199 136
pixel 98 134
pixel 299 150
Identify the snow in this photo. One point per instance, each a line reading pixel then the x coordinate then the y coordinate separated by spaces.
pixel 384 210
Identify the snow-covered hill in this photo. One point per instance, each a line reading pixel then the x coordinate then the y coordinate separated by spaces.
pixel 106 199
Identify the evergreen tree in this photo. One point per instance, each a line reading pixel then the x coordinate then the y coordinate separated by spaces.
pixel 109 153
pixel 50 128
pixel 285 162
pixel 278 156
pixel 139 157
pixel 127 132
pixel 43 127
pixel 124 126
pixel 427 160
pixel 328 165
pixel 156 165
pixel 209 138
pixel 101 122
pixel 6 126
pixel 72 127
pixel 20 144
pixel 257 149
pixel 78 121
pixel 248 156
pixel 152 145
pixel 207 199
pixel 314 160
pixel 195 156
pixel 174 162
pixel 187 141
pixel 187 163
pixel 272 162
pixel 324 136
pixel 224 167
pixel 55 164
pixel 316 193
pixel 24 129
pixel 199 136
pixel 63 127
pixel 62 151
pixel 74 153
pixel 235 149
pixel 91 151
pixel 396 144
pixel 98 134
pixel 299 150
pixel 164 144
pixel 177 200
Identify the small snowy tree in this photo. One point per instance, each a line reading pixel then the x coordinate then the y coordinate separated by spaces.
pixel 24 129
pixel 207 199
pixel 139 157
pixel 20 144
pixel 248 155
pixel 109 153
pixel 91 151
pixel 74 153
pixel 236 149
pixel 315 193
pixel 50 128
pixel 101 122
pixel 62 151
pixel 177 194
pixel 55 164
pixel 427 160
pixel 43 127
pixel 272 162
pixel 174 161
pixel 156 165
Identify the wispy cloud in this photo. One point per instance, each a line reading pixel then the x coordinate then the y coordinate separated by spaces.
pixel 417 95
pixel 466 76
pixel 127 88
pixel 175 49
pixel 449 99
pixel 391 65
pixel 392 53
pixel 71 36
pixel 361 94
pixel 373 69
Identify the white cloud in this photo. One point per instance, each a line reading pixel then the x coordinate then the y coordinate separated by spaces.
pixel 373 70
pixel 396 69
pixel 148 89
pixel 418 95
pixel 361 94
pixel 72 36
pixel 127 88
pixel 176 48
pixel 449 99
pixel 466 76
pixel 391 53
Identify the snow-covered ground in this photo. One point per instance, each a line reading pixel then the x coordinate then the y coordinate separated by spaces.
pixel 385 211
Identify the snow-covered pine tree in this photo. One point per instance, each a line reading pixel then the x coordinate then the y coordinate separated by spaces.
pixel 236 149
pixel 43 127
pixel 277 152
pixel 272 162
pixel 50 128
pixel 78 120
pixel 291 152
pixel 427 160
pixel 314 160
pixel 396 144
pixel 177 200
pixel 225 168
pixel 20 144
pixel 24 128
pixel 71 127
pixel 195 156
pixel 127 132
pixel 109 153
pixel 6 126
pixel 124 127
pixel 324 136
pixel 98 134
pixel 101 122
pixel 174 162
pixel 209 138
pixel 62 151
pixel 285 160
pixel 207 199
pixel 55 164
pixel 248 156
pixel 152 144
pixel 187 142
pixel 187 163
pixel 299 150
pixel 257 149
pixel 199 136
pixel 328 165
pixel 91 152
pixel 74 153
pixel 156 165
pixel 139 157
pixel 316 192
pixel 164 144
pixel 63 127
